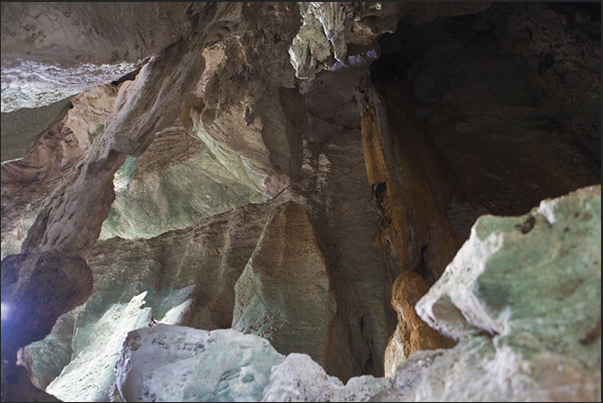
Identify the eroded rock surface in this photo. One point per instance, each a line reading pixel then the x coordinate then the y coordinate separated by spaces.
pixel 510 98
pixel 372 173
pixel 166 363
pixel 522 296
pixel 184 277
pixel 284 293
pixel 175 183
pixel 37 288
pixel 26 183
pixel 300 379
pixel 70 48
pixel 412 333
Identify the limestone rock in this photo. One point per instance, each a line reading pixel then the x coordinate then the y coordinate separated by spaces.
pixel 332 183
pixel 166 363
pixel 88 192
pixel 523 296
pixel 561 235
pixel 89 375
pixel 252 115
pixel 46 358
pixel 300 379
pixel 329 27
pixel 22 129
pixel 412 333
pixel 284 293
pixel 60 50
pixel 174 184
pixel 410 184
pixel 183 277
pixel 26 183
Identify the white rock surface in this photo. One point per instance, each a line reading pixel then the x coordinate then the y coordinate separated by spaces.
pixel 89 376
pixel 299 379
pixel 177 363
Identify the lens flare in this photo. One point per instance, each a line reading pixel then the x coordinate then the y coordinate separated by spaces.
pixel 4 311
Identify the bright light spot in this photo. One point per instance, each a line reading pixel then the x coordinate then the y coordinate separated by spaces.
pixel 4 311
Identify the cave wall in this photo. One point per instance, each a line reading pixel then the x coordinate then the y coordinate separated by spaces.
pixel 304 172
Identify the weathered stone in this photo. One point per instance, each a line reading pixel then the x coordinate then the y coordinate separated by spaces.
pixel 187 276
pixel 176 182
pixel 500 142
pixel 30 180
pixel 22 129
pixel 329 27
pixel 411 186
pixel 523 297
pixel 83 200
pixel 412 333
pixel 46 358
pixel 510 98
pixel 53 51
pixel 284 293
pixel 89 375
pixel 299 379
pixel 16 386
pixel 333 185
pixel 254 128
pixel 166 363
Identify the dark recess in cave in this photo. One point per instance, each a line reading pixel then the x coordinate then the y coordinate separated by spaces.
pixel 592 9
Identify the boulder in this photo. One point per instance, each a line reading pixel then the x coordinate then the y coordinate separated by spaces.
pixel 523 297
pixel 176 363
pixel 300 379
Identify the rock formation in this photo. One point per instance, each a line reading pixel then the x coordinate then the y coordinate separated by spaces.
pixel 296 184
pixel 515 297
pixel 412 333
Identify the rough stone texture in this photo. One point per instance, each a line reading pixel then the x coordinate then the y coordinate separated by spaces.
pixel 30 180
pixel 72 219
pixel 46 358
pixel 183 277
pixel 299 379
pixel 284 293
pixel 252 116
pixel 510 98
pixel 412 333
pixel 89 375
pixel 330 27
pixel 523 297
pixel 22 129
pixel 37 288
pixel 410 184
pixel 70 222
pixel 511 108
pixel 176 363
pixel 53 51
pixel 176 182
pixel 332 183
